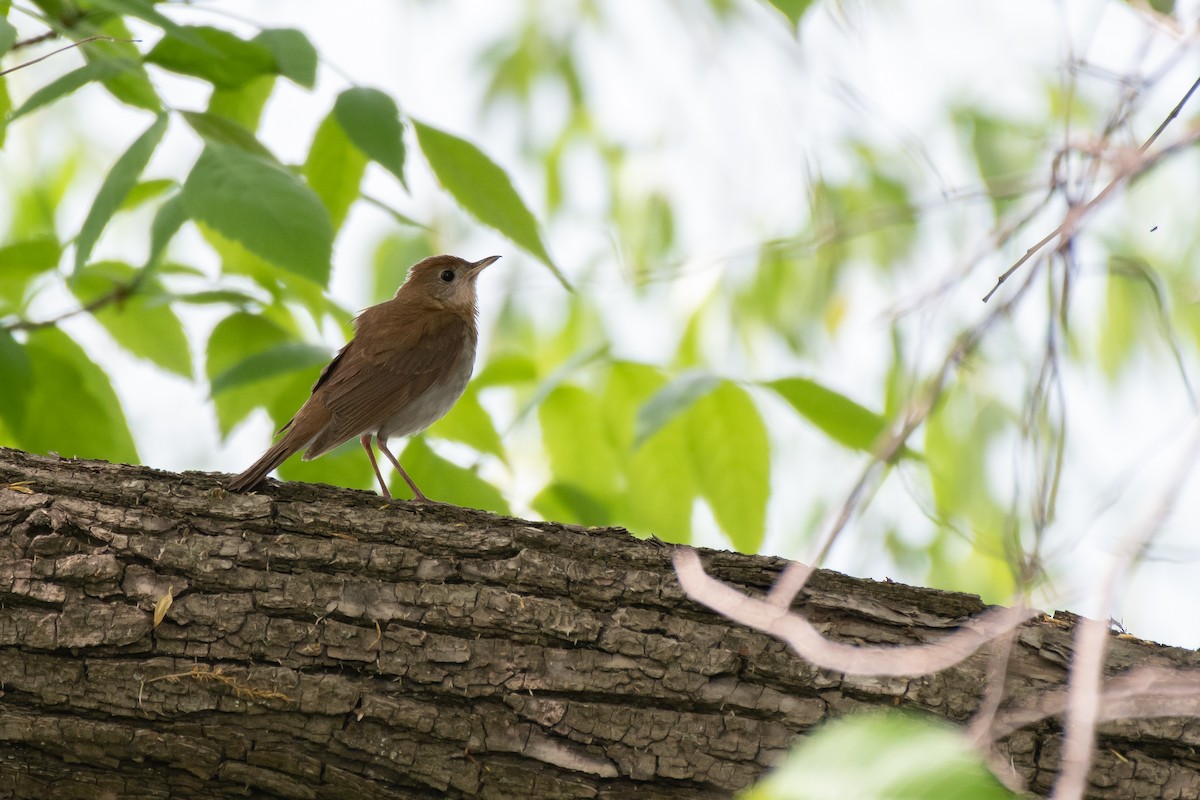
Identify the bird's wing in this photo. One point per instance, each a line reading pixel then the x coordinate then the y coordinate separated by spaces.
pixel 371 379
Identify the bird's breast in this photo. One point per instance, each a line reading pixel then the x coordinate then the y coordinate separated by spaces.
pixel 432 404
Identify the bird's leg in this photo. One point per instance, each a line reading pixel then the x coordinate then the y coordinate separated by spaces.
pixel 365 439
pixel 418 497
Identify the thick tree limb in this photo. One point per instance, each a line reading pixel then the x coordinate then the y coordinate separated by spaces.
pixel 320 645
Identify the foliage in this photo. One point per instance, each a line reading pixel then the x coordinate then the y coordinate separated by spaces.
pixel 888 756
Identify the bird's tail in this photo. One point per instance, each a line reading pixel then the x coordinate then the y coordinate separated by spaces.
pixel 271 459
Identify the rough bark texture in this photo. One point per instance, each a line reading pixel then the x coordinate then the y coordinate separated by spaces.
pixel 322 645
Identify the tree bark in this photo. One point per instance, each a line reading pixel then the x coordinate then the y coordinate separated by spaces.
pixel 321 644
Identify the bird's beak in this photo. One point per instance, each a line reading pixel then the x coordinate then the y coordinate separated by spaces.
pixel 478 266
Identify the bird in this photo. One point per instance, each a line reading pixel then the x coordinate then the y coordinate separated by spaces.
pixel 408 363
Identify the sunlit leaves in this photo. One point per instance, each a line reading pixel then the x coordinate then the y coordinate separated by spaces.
pixel 371 120
pixel 263 207
pixel 63 86
pixel 214 55
pixel 20 263
pixel 839 417
pixel 468 422
pixel 8 36
pixel 238 337
pixel 77 411
pixel 120 180
pixel 482 188
pixel 130 310
pixel 910 757
pixel 16 374
pixel 334 169
pixel 671 401
pixel 295 56
pixel 792 9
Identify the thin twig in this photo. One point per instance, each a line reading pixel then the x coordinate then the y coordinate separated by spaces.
pixel 118 294
pixel 1076 214
pixel 68 47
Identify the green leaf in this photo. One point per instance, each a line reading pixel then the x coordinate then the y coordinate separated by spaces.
pixel 792 9
pixel 371 121
pixel 483 189
pixel 63 86
pixel 443 480
pixel 661 489
pixel 8 36
pixel 16 375
pixel 334 169
pixel 214 55
pixel 676 398
pixel 244 106
pixel 145 10
pixel 21 262
pixel 77 411
pixel 281 359
pixel 5 108
pixel 218 130
pixel 567 502
pixel 729 449
pixel 468 422
pixel 839 417
pixel 910 757
pixel 142 323
pixel 167 221
pixel 578 443
pixel 262 207
pixel 234 339
pixel 145 191
pixel 120 180
pixel 294 54
pixel 128 82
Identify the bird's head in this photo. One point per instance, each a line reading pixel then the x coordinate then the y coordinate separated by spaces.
pixel 447 280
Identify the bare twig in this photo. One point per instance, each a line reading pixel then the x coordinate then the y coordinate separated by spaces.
pixel 801 636
pixel 31 62
pixel 117 294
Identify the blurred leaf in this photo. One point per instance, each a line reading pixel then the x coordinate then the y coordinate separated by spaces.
pixel 506 369
pixel 371 120
pixel 443 480
pixel 77 411
pixel 395 253
pixel 167 221
pixel 1005 152
pixel 468 422
pixel 16 375
pixel 581 450
pixel 672 401
pixel 145 191
pixel 63 86
pixel 141 323
pixel 128 82
pixel 219 57
pixel 295 56
pixel 120 180
pixel 661 489
pixel 910 757
pixel 243 106
pixel 232 341
pixel 263 207
pixel 5 108
pixel 281 359
pixel 218 130
pixel 730 452
pixel 567 502
pixel 21 262
pixel 145 10
pixel 483 189
pixel 792 9
pixel 8 36
pixel 334 169
pixel 839 417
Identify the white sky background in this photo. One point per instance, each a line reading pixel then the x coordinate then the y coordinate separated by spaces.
pixel 731 123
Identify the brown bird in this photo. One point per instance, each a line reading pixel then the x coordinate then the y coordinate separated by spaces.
pixel 407 365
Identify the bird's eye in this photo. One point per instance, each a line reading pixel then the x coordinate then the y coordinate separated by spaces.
pixel 447 275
